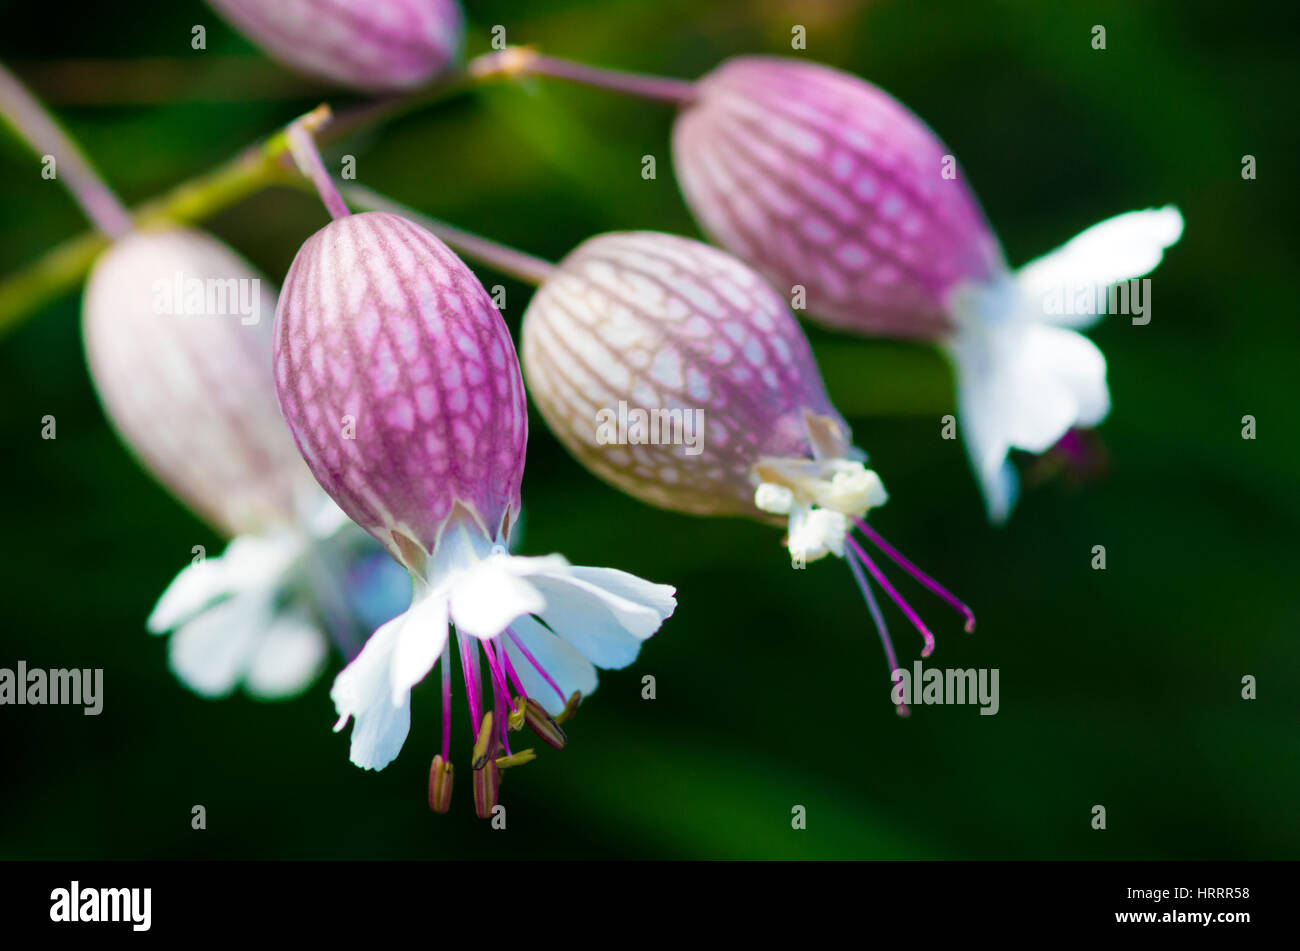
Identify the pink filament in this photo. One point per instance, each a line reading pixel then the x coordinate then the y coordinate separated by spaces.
pixel 446 703
pixel 879 619
pixel 500 694
pixel 533 660
pixel 469 665
pixel 898 598
pixel 510 672
pixel 956 603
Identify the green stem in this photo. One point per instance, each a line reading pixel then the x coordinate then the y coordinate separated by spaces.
pixel 267 163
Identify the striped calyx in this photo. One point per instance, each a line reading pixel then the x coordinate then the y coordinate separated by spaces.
pixel 674 372
pixel 376 45
pixel 400 383
pixel 821 180
pixel 178 338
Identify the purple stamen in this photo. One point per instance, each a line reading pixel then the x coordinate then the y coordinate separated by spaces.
pixel 917 573
pixel 879 618
pixel 469 664
pixel 533 660
pixel 898 598
pixel 510 672
pixel 500 695
pixel 446 704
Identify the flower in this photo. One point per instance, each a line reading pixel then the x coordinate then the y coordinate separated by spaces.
pixel 379 45
pixel 692 338
pixel 1025 375
pixel 819 179
pixel 400 383
pixel 181 359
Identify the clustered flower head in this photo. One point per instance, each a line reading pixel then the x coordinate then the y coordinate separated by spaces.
pixel 829 186
pixel 403 394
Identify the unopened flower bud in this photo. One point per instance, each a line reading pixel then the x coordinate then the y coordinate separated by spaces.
pixel 373 45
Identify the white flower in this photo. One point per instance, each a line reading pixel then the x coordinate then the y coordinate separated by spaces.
pixel 1025 376
pixel 589 617
pixel 250 616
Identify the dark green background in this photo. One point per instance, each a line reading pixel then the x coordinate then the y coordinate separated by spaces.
pixel 1119 687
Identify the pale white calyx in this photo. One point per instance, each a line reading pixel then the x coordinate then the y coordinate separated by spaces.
pixel 1025 375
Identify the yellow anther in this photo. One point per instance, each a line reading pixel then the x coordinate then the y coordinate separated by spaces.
pixel 485 742
pixel 570 708
pixel 516 718
pixel 516 759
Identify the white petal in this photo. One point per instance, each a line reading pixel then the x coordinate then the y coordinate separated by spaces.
pixel 604 613
pixel 252 560
pixel 211 652
pixel 288 657
pixel 979 409
pixel 197 586
pixel 1117 249
pixel 659 598
pixel 816 533
pixel 486 597
pixel 420 642
pixel 1023 386
pixel 363 690
pixel 1055 380
pixel 561 661
pixel 249 562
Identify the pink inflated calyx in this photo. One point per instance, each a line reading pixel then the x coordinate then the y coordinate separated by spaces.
pixel 631 322
pixel 378 45
pixel 820 179
pixel 400 383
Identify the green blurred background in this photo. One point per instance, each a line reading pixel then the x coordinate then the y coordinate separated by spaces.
pixel 1118 687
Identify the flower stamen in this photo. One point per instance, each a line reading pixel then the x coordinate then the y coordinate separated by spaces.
pixel 956 603
pixel 487 788
pixel 484 742
pixel 518 642
pixel 906 608
pixel 440 776
pixel 516 759
pixel 878 617
pixel 544 725
pixel 570 707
